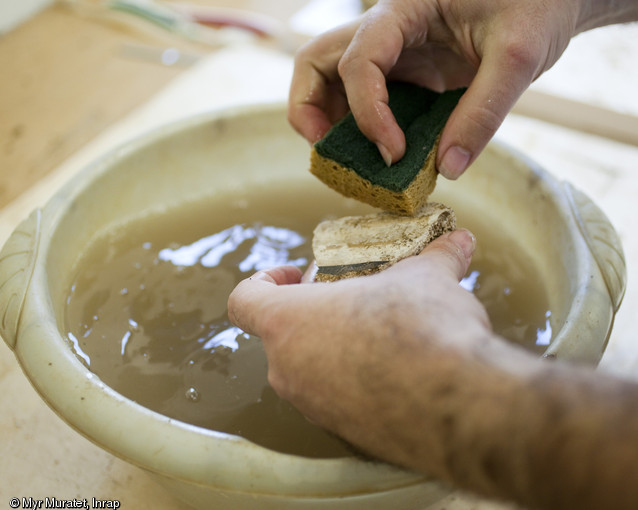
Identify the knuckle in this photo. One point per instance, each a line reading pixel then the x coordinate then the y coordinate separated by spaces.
pixel 309 49
pixel 482 118
pixel 521 52
pixel 455 255
pixel 348 64
pixel 521 55
pixel 234 306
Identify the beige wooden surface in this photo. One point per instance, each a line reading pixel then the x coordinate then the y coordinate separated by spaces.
pixel 65 78
pixel 51 125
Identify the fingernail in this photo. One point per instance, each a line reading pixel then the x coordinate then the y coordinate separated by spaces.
pixel 454 162
pixel 465 240
pixel 385 153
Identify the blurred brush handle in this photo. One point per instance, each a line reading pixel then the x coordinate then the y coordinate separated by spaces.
pixel 584 117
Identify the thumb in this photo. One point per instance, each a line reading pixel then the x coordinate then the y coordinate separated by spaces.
pixel 452 251
pixel 501 79
pixel 248 303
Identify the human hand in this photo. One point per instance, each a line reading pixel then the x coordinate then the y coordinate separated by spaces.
pixel 341 352
pixel 403 364
pixel 496 48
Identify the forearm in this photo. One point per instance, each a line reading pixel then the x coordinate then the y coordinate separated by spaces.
pixel 586 451
pixel 598 13
pixel 544 434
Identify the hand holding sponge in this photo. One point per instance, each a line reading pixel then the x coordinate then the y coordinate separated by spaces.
pixel 348 162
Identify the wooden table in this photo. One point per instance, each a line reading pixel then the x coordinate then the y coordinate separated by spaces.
pixel 65 78
pixel 69 92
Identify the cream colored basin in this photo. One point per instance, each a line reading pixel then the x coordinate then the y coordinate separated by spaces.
pixel 574 247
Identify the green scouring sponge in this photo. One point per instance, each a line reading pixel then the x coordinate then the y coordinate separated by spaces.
pixel 348 162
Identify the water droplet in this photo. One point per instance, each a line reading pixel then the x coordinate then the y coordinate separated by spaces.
pixel 192 394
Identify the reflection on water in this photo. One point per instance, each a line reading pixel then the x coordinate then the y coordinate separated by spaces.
pixel 270 247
